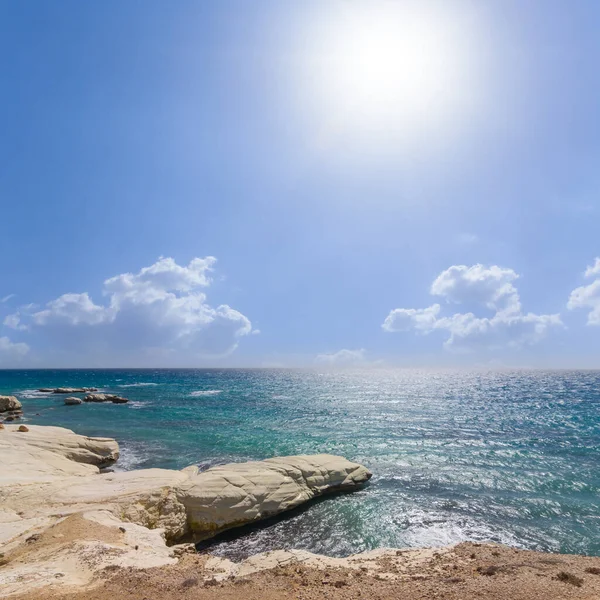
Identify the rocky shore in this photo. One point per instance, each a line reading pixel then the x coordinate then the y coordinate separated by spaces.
pixel 49 475
pixel 70 529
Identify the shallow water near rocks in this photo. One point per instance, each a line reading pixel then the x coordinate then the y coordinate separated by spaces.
pixel 511 457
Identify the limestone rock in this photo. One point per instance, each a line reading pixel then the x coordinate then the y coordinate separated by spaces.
pixel 23 429
pixel 53 471
pixel 235 494
pixel 101 452
pixel 105 398
pixel 9 403
pixel 76 551
pixel 72 401
pixel 95 398
pixel 29 467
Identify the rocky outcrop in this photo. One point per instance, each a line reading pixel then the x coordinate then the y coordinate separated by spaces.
pixel 9 403
pixel 49 473
pixel 100 452
pixel 95 398
pixel 236 494
pixel 73 401
pixel 105 398
pixel 64 466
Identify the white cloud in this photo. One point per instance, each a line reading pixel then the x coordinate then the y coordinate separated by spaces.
pixel 14 322
pixel 158 307
pixel 342 357
pixel 588 296
pixel 594 269
pixel 491 287
pixel 405 319
pixel 10 351
pixel 74 309
pixel 7 298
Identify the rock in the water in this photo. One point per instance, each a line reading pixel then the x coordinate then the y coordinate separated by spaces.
pixel 235 494
pixel 105 398
pixel 95 398
pixel 23 429
pixel 72 401
pixel 11 418
pixel 46 390
pixel 9 403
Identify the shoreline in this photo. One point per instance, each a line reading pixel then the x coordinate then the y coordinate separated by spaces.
pixel 70 531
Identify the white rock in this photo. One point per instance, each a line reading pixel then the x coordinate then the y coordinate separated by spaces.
pixel 101 452
pixel 103 542
pixel 235 494
pixel 72 401
pixel 9 403
pixel 48 475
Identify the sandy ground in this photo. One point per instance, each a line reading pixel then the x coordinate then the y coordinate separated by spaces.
pixel 468 571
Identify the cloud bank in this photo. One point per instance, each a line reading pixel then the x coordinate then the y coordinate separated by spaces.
pixel 160 309
pixel 489 287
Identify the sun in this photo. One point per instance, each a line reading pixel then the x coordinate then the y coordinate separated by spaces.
pixel 387 65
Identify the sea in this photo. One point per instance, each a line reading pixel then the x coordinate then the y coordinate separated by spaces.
pixel 504 456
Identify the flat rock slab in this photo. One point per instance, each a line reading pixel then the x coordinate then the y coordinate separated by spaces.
pixel 101 452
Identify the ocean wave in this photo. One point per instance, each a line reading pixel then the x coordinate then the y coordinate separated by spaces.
pixel 139 384
pixel 32 394
pixel 136 404
pixel 130 458
pixel 206 393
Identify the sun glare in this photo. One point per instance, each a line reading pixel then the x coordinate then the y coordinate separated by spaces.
pixel 387 65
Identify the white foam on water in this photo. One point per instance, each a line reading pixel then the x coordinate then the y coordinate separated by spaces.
pixel 32 394
pixel 129 459
pixel 136 404
pixel 205 393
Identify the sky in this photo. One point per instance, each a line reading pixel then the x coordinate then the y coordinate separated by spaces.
pixel 300 183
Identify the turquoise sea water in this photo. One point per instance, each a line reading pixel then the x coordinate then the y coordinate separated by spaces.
pixel 506 456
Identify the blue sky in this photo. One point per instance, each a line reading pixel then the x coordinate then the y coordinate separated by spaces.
pixel 268 135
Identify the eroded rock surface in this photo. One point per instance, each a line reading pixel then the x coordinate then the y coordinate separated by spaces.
pixel 9 403
pixel 101 452
pixel 50 474
pixel 230 495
